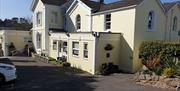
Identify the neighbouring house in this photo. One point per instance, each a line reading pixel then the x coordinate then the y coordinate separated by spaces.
pixel 172 21
pixel 19 39
pixel 91 33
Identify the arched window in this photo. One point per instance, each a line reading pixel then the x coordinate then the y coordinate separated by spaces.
pixel 151 18
pixel 174 23
pixel 78 22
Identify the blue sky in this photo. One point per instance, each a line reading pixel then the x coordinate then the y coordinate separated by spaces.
pixel 21 8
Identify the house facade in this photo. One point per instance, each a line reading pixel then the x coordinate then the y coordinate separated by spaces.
pixel 91 33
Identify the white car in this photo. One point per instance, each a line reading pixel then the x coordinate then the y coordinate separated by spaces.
pixel 7 73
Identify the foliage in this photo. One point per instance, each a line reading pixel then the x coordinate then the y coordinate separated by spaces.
pixel 16 24
pixel 160 56
pixel 51 59
pixel 167 72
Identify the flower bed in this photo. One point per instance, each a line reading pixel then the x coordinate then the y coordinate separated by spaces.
pixel 157 81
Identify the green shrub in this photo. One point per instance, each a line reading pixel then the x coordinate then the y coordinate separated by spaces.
pixel 158 55
pixel 51 59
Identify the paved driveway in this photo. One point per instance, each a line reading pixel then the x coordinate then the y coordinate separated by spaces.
pixel 39 76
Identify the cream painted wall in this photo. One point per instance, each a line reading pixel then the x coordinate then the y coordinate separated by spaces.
pixel 101 43
pixel 85 64
pixel 15 36
pixel 85 18
pixel 122 21
pixel 141 27
pixel 173 35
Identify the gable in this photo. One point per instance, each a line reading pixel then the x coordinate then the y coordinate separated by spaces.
pixel 34 4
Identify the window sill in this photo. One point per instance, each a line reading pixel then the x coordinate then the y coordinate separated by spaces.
pixel 75 56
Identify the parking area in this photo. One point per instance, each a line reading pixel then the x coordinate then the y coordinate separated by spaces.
pixel 38 76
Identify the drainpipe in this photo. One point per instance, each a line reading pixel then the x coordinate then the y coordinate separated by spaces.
pixel 166 28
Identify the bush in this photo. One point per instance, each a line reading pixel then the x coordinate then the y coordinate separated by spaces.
pixel 66 64
pixel 159 55
pixel 51 59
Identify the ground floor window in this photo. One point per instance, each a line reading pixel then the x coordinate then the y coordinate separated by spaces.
pixel 65 47
pixel 38 40
pixel 54 45
pixel 85 50
pixel 75 48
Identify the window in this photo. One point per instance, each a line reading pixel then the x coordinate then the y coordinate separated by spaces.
pixel 75 48
pixel 65 47
pixel 108 21
pixel 38 40
pixel 55 17
pixel 151 20
pixel 39 18
pixel 78 22
pixel 85 50
pixel 59 46
pixel 174 24
pixel 54 45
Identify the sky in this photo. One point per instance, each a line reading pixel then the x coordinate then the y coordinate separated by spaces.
pixel 21 8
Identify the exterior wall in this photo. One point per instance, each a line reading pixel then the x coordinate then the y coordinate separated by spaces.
pixel 18 38
pixel 80 62
pixel 39 29
pixel 122 21
pixel 170 34
pixel 141 27
pixel 60 14
pixel 85 18
pixel 101 53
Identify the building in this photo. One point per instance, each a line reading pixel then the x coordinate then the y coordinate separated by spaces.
pixel 81 30
pixel 18 37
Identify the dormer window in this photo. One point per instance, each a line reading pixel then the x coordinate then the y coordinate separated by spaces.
pixel 151 18
pixel 174 24
pixel 78 22
pixel 39 18
pixel 107 21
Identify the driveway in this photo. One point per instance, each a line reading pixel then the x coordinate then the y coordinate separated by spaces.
pixel 39 76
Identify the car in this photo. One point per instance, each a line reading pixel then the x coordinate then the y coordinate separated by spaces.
pixel 7 73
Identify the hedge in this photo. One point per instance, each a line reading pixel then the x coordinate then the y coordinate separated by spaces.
pixel 158 55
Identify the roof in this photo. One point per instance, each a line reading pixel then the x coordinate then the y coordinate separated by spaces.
pixel 120 4
pixel 92 4
pixel 54 2
pixel 56 30
pixel 168 6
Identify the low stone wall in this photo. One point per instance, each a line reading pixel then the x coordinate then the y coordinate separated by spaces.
pixel 158 81
pixel 40 58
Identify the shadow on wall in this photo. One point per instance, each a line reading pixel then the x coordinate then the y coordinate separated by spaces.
pixel 50 78
pixel 126 56
pixel 71 26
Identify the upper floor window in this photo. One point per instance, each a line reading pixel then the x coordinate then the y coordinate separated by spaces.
pixel 174 24
pixel 151 18
pixel 78 22
pixel 54 17
pixel 39 18
pixel 108 21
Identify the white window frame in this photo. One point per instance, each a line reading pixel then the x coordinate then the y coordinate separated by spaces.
pixel 85 50
pixel 106 22
pixel 78 23
pixel 38 40
pixel 174 27
pixel 153 20
pixel 75 49
pixel 39 18
pixel 64 47
pixel 54 46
